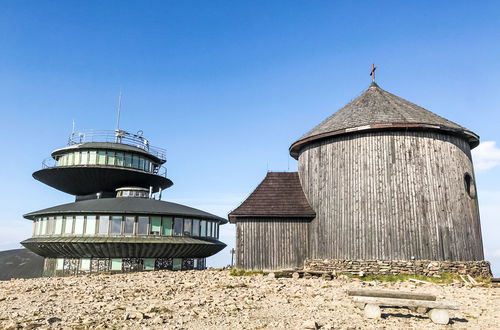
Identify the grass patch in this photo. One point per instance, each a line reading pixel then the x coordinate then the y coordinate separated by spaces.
pixel 445 278
pixel 243 272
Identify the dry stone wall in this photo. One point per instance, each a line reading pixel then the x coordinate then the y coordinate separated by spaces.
pixel 394 267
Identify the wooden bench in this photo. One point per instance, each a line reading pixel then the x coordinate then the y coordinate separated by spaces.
pixel 372 300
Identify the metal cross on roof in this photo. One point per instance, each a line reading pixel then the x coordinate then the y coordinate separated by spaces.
pixel 372 73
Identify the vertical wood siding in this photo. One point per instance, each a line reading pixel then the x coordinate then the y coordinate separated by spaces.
pixel 273 243
pixel 387 195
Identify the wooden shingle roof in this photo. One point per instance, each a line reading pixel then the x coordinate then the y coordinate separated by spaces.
pixel 377 109
pixel 279 195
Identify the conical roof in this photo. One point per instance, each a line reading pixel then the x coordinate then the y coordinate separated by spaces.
pixel 377 109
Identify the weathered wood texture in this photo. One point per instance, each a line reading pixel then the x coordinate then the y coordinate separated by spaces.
pixel 271 243
pixel 391 195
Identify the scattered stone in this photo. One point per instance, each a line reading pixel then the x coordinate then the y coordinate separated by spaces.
pixel 372 311
pixel 310 325
pixel 439 316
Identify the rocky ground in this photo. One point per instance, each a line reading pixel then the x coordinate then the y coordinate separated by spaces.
pixel 216 300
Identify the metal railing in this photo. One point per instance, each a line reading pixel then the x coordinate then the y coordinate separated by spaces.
pixel 50 162
pixel 117 136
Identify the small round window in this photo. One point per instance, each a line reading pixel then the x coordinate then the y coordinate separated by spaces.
pixel 470 187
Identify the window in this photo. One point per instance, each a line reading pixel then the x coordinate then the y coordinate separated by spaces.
pixel 141 163
pixel 58 226
pixel 155 225
pixel 128 227
pixel 209 229
pixel 103 224
pixel 35 227
pixel 79 221
pixel 195 264
pixel 44 226
pixel 149 264
pixel 176 264
pixel 146 165
pixel 60 264
pixel 50 226
pixel 470 187
pixel 178 226
pixel 196 227
pixel 203 228
pixel 116 225
pixel 187 227
pixel 101 160
pixel 90 225
pixel 142 225
pixel 68 225
pixel 85 264
pixel 70 159
pixel 38 226
pixel 135 161
pixel 77 158
pixel 111 158
pixel 119 159
pixel 128 160
pixel 92 157
pixel 84 158
pixel 167 227
pixel 116 264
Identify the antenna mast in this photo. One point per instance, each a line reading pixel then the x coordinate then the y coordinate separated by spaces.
pixel 119 110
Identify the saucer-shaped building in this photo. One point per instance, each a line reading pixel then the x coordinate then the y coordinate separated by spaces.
pixel 118 222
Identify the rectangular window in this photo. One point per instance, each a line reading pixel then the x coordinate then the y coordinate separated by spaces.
pixel 141 163
pixel 35 227
pixel 155 225
pixel 38 226
pixel 71 158
pixel 167 227
pixel 101 160
pixel 50 226
pixel 146 165
pixel 85 264
pixel 135 161
pixel 196 227
pixel 128 227
pixel 209 229
pixel 77 158
pixel 116 225
pixel 60 161
pixel 44 226
pixel 195 264
pixel 128 160
pixel 116 264
pixel 68 225
pixel 203 228
pixel 178 226
pixel 142 225
pixel 90 225
pixel 103 224
pixel 111 158
pixel 92 157
pixel 119 159
pixel 187 227
pixel 84 158
pixel 58 227
pixel 59 263
pixel 149 264
pixel 177 264
pixel 79 221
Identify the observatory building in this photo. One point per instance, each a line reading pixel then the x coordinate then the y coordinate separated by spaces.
pixel 380 179
pixel 118 222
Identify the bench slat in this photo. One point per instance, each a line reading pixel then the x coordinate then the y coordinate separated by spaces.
pixel 406 302
pixel 391 294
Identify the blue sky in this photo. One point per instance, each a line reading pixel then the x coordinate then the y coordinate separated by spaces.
pixel 227 86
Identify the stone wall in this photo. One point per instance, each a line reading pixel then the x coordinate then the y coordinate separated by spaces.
pixel 394 267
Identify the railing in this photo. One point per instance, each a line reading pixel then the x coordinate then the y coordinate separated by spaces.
pixel 117 136
pixel 51 162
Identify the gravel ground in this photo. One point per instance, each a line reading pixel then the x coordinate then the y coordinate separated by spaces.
pixel 213 299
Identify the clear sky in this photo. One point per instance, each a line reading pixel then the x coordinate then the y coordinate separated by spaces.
pixel 227 86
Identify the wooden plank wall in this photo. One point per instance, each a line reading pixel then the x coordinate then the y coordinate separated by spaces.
pixel 391 195
pixel 271 243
